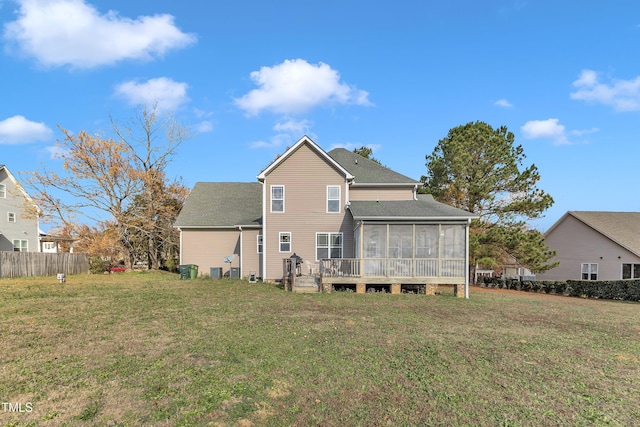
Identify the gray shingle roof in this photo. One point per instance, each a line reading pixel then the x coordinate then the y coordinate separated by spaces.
pixel 621 227
pixel 425 208
pixel 222 204
pixel 367 171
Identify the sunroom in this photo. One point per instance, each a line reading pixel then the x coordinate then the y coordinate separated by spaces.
pixel 403 244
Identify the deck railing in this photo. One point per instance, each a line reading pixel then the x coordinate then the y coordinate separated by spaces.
pixel 393 267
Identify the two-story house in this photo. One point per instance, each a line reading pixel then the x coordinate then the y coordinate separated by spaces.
pixel 18 216
pixel 349 220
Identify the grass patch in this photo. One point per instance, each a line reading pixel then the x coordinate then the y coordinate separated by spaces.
pixel 148 349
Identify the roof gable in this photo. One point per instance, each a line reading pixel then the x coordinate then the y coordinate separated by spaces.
pixel 366 171
pixel 622 228
pixel 222 204
pixel 17 185
pixel 314 147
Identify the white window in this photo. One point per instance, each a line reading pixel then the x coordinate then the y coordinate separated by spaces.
pixel 11 217
pixel 589 271
pixel 259 243
pixel 285 242
pixel 631 271
pixel 328 245
pixel 277 198
pixel 333 198
pixel 48 246
pixel 20 246
pixel 3 191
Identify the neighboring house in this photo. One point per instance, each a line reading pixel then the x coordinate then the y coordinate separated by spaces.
pixel 18 218
pixel 50 243
pixel 595 246
pixel 351 221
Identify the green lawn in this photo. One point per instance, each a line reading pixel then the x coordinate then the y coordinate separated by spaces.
pixel 148 349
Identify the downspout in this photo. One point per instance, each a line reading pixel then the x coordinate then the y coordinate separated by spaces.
pixel 264 231
pixel 240 263
pixel 466 261
pixel 415 192
pixel 180 230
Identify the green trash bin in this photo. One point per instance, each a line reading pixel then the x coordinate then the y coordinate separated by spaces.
pixel 194 271
pixel 185 272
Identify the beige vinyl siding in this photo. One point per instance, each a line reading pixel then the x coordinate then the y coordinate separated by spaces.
pixel 576 243
pixel 357 194
pixel 208 247
pixel 251 260
pixel 305 176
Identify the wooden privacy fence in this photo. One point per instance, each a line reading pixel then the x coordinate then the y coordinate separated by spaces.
pixel 22 264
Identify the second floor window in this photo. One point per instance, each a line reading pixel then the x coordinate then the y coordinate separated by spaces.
pixel 11 217
pixel 3 191
pixel 277 198
pixel 333 198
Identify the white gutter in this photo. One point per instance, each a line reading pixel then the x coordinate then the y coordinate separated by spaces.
pixel 414 218
pixel 383 184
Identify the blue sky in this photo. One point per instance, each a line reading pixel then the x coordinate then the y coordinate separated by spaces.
pixel 251 77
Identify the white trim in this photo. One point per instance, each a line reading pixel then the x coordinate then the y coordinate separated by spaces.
pixel 466 261
pixel 329 246
pixel 280 234
pixel 339 199
pixel 271 199
pixel 3 191
pixel 179 229
pixel 314 146
pixel 12 215
pixel 589 273
pixel 264 231
pixel 241 260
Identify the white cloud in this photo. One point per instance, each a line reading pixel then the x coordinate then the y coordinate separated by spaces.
pixel 294 127
pixel 166 93
pixel 56 152
pixel 547 129
pixel 503 103
pixel 205 126
pixel 584 131
pixel 19 130
pixel 74 33
pixel 622 95
pixel 276 141
pixel 295 86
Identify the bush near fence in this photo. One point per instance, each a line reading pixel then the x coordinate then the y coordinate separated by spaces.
pixel 623 290
pixel 24 264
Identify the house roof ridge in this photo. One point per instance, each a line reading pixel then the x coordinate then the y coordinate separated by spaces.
pixel 367 171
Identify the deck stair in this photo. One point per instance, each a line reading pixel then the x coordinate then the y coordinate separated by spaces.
pixel 306 283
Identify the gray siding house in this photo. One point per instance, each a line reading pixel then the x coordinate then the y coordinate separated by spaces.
pixel 18 224
pixel 348 219
pixel 595 246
